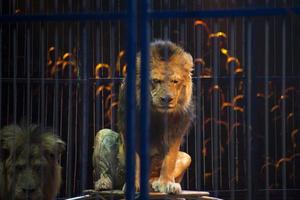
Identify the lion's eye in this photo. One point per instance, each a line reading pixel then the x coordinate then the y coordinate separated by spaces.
pixel 156 81
pixel 175 81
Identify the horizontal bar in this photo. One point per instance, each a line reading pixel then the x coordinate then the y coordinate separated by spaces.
pixel 49 80
pixel 222 13
pixel 119 79
pixel 167 14
pixel 63 17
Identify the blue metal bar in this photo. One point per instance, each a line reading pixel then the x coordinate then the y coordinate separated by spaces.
pixel 57 42
pixel 221 13
pixel 248 116
pixel 199 137
pixel 130 99
pixel 112 50
pixel 42 62
pixel 215 111
pixel 90 16
pixel 232 136
pixel 267 120
pixel 28 56
pixel 15 61
pixel 85 109
pixel 248 108
pixel 144 99
pixel 70 130
pixel 97 83
pixel 283 107
pixel 250 92
pixel 85 60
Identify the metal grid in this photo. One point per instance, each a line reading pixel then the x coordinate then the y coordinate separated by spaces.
pixel 62 62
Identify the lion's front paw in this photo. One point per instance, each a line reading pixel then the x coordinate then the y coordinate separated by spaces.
pixel 166 187
pixel 104 183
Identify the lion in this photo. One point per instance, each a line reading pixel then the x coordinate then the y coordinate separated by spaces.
pixel 29 163
pixel 171 114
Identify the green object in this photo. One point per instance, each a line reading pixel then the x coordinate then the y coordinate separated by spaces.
pixel 108 160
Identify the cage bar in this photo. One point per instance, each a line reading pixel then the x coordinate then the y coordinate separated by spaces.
pixel 145 103
pixel 130 99
pixel 266 110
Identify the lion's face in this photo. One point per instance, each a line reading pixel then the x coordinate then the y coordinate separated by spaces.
pixel 170 76
pixel 28 174
pixel 167 87
pixel 171 84
pixel 31 168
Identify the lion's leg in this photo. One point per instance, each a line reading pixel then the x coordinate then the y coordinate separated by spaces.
pixel 137 172
pixel 166 182
pixel 182 163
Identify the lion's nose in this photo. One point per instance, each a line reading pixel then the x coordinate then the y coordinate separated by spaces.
pixel 166 99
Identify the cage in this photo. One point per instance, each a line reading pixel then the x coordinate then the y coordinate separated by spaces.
pixel 62 63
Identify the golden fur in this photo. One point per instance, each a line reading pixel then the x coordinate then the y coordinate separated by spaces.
pixel 29 163
pixel 171 114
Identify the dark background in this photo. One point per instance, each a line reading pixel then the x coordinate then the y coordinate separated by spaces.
pixel 43 65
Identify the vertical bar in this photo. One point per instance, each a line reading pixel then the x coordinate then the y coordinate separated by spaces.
pixel 75 139
pixel 70 140
pixel 274 99
pixel 15 92
pixel 283 106
pixel 292 58
pixel 198 136
pixel 231 176
pixel 130 99
pixel 112 44
pixel 1 77
pixel 266 91
pixel 249 108
pixel 250 117
pixel 42 63
pixel 203 136
pixel 15 60
pixel 85 101
pixel 216 96
pixel 144 100
pixel 28 50
pixel 97 84
pixel 56 85
pixel 77 87
pixel 98 54
pixel 182 40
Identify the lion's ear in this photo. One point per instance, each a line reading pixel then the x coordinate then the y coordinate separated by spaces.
pixel 52 144
pixel 189 64
pixel 8 135
pixel 61 146
pixel 4 151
